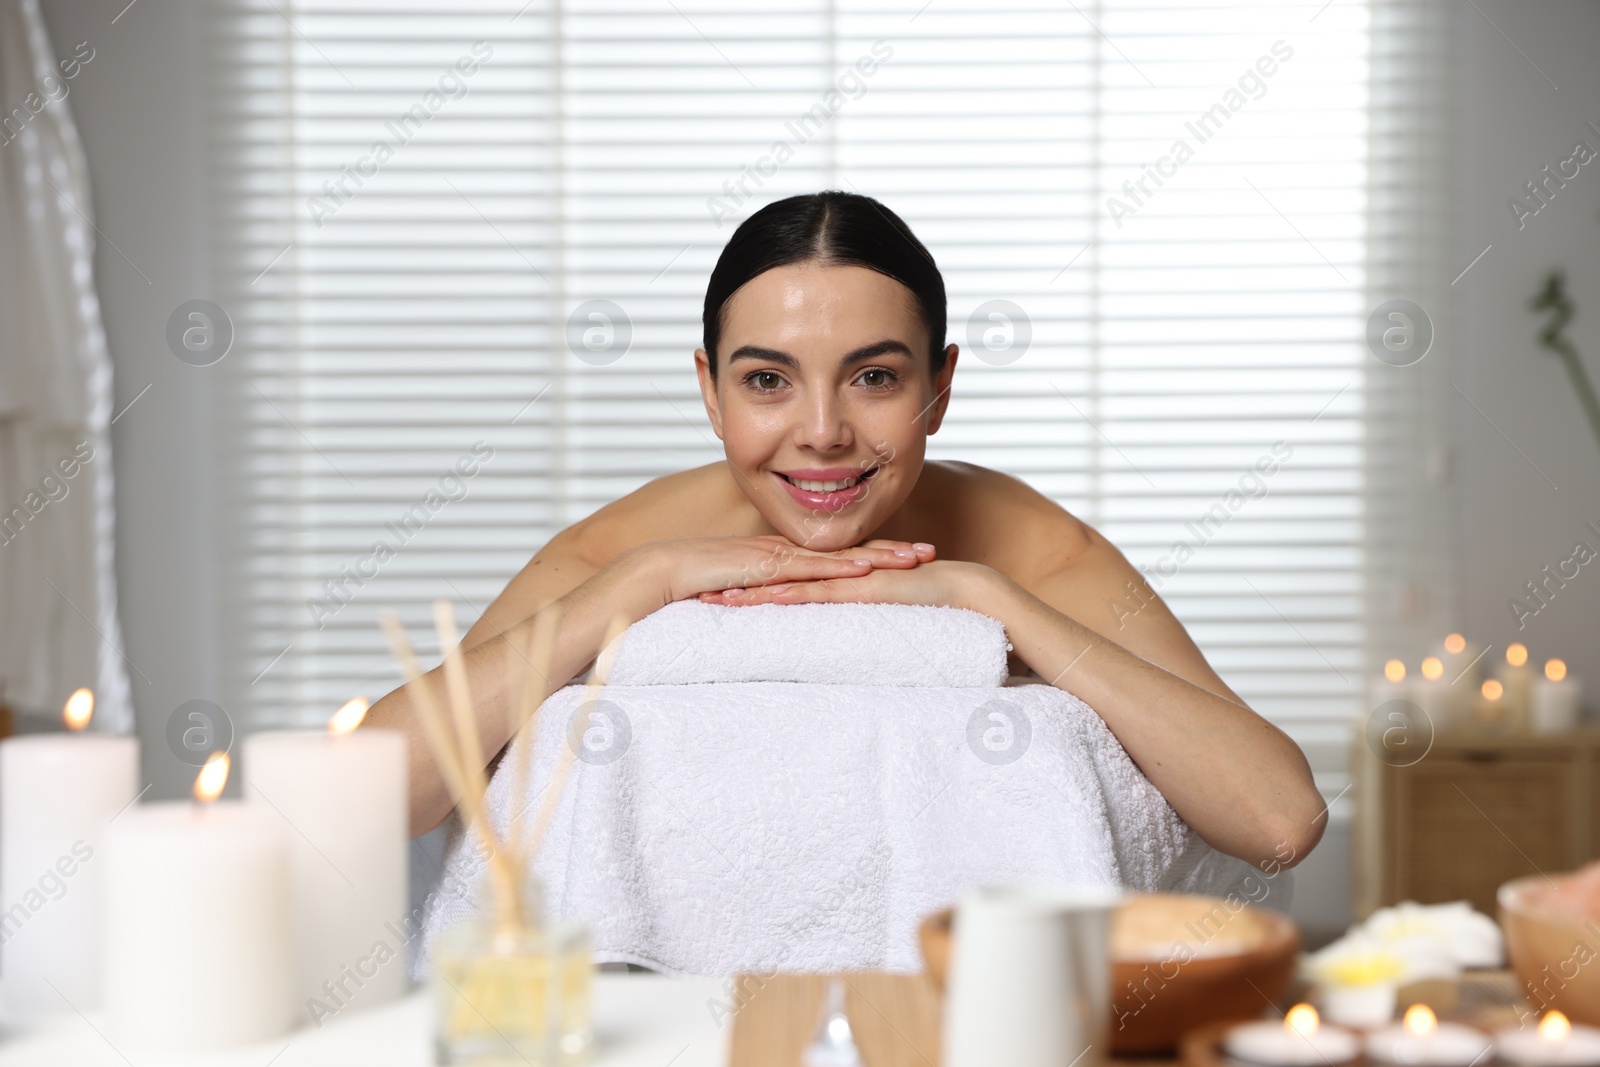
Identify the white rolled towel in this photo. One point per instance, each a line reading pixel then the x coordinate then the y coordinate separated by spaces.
pixel 690 643
pixel 719 827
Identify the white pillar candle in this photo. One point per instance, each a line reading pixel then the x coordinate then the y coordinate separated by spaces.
pixel 1463 662
pixel 1422 1039
pixel 1554 1043
pixel 343 794
pixel 58 793
pixel 1433 693
pixel 1300 1040
pixel 1556 701
pixel 197 940
pixel 1391 685
pixel 1517 679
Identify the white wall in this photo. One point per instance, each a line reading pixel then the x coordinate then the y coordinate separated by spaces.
pixel 1513 521
pixel 139 110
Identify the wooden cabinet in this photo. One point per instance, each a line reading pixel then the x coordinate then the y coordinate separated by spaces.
pixel 1472 814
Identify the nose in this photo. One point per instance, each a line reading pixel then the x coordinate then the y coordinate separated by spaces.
pixel 825 425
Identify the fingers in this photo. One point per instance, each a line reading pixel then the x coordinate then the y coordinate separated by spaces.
pixel 786 562
pixel 799 592
pixel 891 554
pixel 881 552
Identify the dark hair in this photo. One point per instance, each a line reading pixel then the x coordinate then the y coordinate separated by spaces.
pixel 830 227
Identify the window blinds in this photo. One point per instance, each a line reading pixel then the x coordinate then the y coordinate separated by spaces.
pixel 468 245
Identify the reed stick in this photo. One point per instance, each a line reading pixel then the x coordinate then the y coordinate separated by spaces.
pixel 541 647
pixel 458 751
pixel 569 753
pixel 504 874
pixel 470 745
pixel 433 725
pixel 503 878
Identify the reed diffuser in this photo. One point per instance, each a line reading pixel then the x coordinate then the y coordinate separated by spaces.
pixel 511 987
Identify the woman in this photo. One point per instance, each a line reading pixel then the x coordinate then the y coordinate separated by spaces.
pixel 823 374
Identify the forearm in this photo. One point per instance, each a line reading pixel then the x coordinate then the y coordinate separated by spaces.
pixel 1240 782
pixel 618 595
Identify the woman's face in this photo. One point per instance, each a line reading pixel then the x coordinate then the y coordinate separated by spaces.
pixel 823 399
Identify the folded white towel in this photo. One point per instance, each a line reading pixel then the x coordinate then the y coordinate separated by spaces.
pixel 689 642
pixel 714 828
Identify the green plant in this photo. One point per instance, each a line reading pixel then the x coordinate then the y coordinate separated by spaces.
pixel 1554 299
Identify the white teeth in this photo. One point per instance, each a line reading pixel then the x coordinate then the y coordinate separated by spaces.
pixel 824 487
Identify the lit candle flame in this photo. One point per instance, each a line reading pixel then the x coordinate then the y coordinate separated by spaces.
pixel 1302 1019
pixel 1433 668
pixel 1516 653
pixel 1455 644
pixel 1554 1026
pixel 1555 670
pixel 1395 671
pixel 1493 690
pixel 78 710
pixel 212 777
pixel 348 717
pixel 1420 1021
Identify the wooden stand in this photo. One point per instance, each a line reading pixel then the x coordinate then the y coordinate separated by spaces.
pixel 1475 812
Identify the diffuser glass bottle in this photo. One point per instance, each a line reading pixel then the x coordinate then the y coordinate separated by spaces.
pixel 511 988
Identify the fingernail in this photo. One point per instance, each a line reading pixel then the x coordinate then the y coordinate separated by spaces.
pixel 905 553
pixel 862 562
pixel 922 547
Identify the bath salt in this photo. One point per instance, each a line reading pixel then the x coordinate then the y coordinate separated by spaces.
pixel 1150 927
pixel 1577 895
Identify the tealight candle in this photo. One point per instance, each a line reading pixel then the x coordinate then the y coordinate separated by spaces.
pixel 1422 1039
pixel 1554 1043
pixel 1300 1040
pixel 343 791
pixel 1556 700
pixel 58 792
pixel 197 941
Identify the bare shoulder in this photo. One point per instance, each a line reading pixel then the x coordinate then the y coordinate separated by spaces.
pixel 1071 566
pixel 1003 522
pixel 656 511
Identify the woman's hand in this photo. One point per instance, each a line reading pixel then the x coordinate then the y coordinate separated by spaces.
pixel 944 583
pixel 685 568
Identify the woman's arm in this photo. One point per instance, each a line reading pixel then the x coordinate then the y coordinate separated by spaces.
pixel 1239 781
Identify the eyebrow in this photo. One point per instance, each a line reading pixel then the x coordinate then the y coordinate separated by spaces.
pixel 872 351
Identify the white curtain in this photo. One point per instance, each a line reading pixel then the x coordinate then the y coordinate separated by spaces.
pixel 58 616
pixel 403 289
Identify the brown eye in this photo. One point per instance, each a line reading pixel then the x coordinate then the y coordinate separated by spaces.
pixel 763 381
pixel 878 378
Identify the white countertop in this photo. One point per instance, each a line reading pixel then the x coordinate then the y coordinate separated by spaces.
pixel 640 1020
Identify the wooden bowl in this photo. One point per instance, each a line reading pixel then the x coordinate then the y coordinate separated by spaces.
pixel 1549 942
pixel 1177 963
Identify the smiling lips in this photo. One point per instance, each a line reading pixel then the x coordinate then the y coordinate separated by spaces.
pixel 827 488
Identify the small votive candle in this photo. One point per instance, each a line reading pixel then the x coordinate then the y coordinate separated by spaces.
pixel 1554 1043
pixel 1422 1039
pixel 1300 1040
